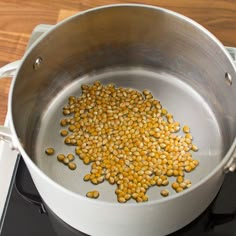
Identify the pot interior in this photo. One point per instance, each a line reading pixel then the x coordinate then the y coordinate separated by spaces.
pixel 134 46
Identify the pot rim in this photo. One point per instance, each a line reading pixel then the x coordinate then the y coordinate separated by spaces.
pixel 35 168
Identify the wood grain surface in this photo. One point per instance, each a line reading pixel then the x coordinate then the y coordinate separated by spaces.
pixel 19 18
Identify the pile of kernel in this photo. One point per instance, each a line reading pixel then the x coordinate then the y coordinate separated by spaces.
pixel 128 139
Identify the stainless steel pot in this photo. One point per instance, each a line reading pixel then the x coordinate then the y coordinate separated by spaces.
pixel 136 46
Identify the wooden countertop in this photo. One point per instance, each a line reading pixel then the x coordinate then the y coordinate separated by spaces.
pixel 18 19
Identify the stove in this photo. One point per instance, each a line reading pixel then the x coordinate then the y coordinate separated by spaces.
pixel 22 211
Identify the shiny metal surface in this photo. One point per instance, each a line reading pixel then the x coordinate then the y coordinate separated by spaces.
pixel 37 64
pixel 178 97
pixel 228 78
pixel 123 37
pixel 133 46
pixel 182 65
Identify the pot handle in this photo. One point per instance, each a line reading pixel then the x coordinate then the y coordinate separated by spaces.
pixel 10 69
pixel 232 53
pixel 6 136
pixel 231 165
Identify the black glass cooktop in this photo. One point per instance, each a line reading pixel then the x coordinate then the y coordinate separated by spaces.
pixel 26 217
